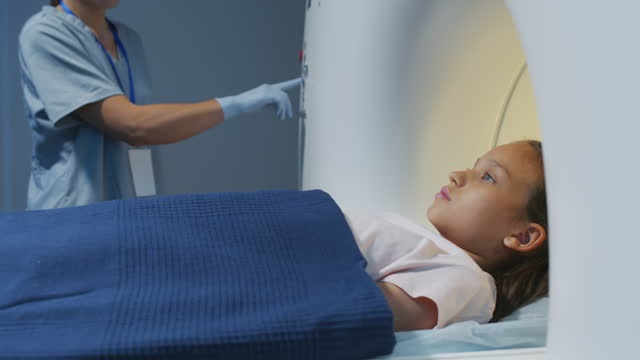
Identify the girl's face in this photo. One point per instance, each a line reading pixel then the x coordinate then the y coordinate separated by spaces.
pixel 483 205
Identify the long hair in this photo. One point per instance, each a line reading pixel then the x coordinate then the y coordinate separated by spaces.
pixel 54 2
pixel 528 279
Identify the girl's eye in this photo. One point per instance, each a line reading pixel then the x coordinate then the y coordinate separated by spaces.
pixel 488 177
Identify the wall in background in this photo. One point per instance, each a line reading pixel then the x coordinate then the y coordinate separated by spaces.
pixel 3 108
pixel 15 139
pixel 197 50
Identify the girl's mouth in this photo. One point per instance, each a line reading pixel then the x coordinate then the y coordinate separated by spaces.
pixel 444 194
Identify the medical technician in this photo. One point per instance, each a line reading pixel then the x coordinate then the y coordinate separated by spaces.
pixel 86 90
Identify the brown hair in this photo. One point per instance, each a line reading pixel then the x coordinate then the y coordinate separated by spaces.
pixel 54 2
pixel 526 281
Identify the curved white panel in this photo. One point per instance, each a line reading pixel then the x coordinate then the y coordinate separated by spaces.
pixel 358 136
pixel 520 119
pixel 399 93
pixel 583 57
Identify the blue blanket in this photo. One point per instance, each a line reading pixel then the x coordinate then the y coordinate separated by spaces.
pixel 273 274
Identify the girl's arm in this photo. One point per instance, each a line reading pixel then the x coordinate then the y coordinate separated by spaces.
pixel 409 313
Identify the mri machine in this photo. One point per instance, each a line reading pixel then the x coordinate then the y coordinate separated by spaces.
pixel 380 129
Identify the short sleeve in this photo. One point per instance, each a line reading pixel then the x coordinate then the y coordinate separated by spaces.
pixel 459 292
pixel 424 264
pixel 62 67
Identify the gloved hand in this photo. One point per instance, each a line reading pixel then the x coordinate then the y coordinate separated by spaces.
pixel 260 97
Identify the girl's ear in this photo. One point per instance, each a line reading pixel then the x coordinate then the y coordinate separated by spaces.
pixel 526 240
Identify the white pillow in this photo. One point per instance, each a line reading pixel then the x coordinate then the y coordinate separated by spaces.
pixel 537 309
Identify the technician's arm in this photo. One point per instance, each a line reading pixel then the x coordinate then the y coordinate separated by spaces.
pixel 140 125
pixel 409 313
pixel 156 124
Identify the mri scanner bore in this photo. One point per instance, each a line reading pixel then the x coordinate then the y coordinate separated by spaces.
pixel 398 98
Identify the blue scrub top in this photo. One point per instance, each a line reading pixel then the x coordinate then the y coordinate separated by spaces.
pixel 63 68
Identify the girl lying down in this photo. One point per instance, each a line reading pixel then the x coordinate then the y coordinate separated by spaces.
pixel 490 256
pixel 271 274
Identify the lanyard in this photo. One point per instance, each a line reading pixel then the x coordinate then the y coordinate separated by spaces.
pixel 120 45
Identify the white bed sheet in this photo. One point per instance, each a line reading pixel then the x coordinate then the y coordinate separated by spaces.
pixel 526 328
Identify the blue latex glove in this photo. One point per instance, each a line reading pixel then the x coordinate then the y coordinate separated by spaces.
pixel 259 98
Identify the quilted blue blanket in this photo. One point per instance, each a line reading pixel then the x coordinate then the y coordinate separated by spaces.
pixel 259 275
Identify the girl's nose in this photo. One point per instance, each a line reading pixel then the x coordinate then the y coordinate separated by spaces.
pixel 457 178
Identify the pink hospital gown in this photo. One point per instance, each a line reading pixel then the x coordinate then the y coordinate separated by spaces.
pixel 424 264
